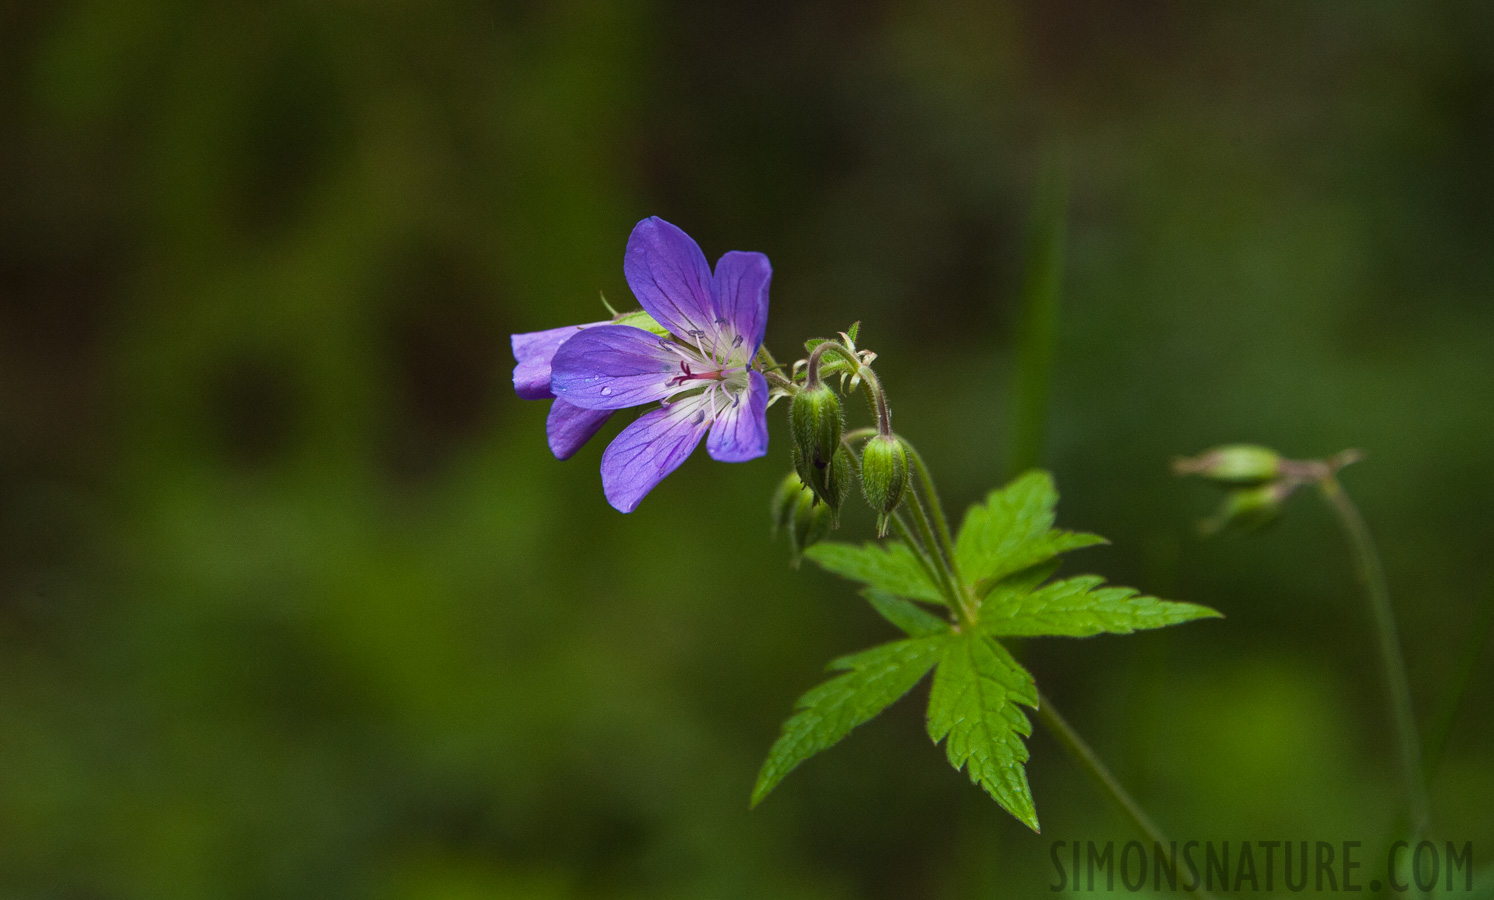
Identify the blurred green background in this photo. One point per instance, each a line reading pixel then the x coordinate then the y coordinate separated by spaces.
pixel 295 603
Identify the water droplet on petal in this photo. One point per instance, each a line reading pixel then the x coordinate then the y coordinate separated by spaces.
pixel 606 392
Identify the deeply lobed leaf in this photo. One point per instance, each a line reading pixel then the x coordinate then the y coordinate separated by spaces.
pixel 973 709
pixel 891 567
pixel 912 619
pixel 871 681
pixel 1013 530
pixel 1080 607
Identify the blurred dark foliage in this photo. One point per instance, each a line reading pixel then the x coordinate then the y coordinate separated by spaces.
pixel 293 601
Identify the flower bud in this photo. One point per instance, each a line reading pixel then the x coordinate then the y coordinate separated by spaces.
pixel 1250 508
pixel 809 522
pixel 1232 464
pixel 884 476
pixel 842 471
pixel 781 508
pixel 816 421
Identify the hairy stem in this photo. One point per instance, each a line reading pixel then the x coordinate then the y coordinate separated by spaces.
pixel 948 584
pixel 1085 756
pixel 946 543
pixel 1371 573
pixel 878 398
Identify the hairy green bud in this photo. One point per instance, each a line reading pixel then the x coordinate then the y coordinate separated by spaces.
pixel 1232 464
pixel 884 476
pixel 809 522
pixel 816 421
pixel 841 473
pixel 1250 508
pixel 785 497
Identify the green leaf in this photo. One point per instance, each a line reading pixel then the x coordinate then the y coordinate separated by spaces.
pixel 1017 582
pixel 891 566
pixel 853 331
pixel 912 619
pixel 1079 607
pixel 872 680
pixel 1013 531
pixel 973 709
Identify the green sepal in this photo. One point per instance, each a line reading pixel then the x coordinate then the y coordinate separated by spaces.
pixel 640 319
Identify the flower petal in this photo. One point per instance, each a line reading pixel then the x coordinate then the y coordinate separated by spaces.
pixel 649 449
pixel 742 295
pixel 569 427
pixel 670 277
pixel 533 352
pixel 612 366
pixel 740 431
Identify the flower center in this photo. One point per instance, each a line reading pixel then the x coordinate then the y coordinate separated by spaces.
pixel 713 360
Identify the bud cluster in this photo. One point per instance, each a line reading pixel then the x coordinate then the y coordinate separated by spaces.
pixel 808 502
pixel 1258 481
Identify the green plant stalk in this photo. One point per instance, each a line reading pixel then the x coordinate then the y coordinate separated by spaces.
pixel 1397 687
pixel 936 508
pixel 1441 729
pixel 1085 756
pixel 1037 329
pixel 949 583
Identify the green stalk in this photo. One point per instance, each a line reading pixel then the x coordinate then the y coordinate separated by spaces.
pixel 1447 716
pixel 948 583
pixel 1085 756
pixel 1037 330
pixel 1371 573
pixel 927 478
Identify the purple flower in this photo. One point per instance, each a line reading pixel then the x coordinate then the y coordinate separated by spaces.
pixel 701 372
pixel 569 427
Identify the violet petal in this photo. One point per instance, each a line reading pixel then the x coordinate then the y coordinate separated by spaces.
pixel 649 449
pixel 533 352
pixel 670 277
pixel 613 366
pixel 740 431
pixel 741 285
pixel 569 427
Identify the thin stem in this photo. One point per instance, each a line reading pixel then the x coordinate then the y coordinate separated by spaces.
pixel 947 583
pixel 1037 328
pixel 1397 688
pixel 1447 717
pixel 938 509
pixel 900 524
pixel 1082 754
pixel 776 379
pixel 812 368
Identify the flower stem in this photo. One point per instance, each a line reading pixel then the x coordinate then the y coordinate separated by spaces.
pixel 938 509
pixel 1085 756
pixel 949 584
pixel 1371 573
